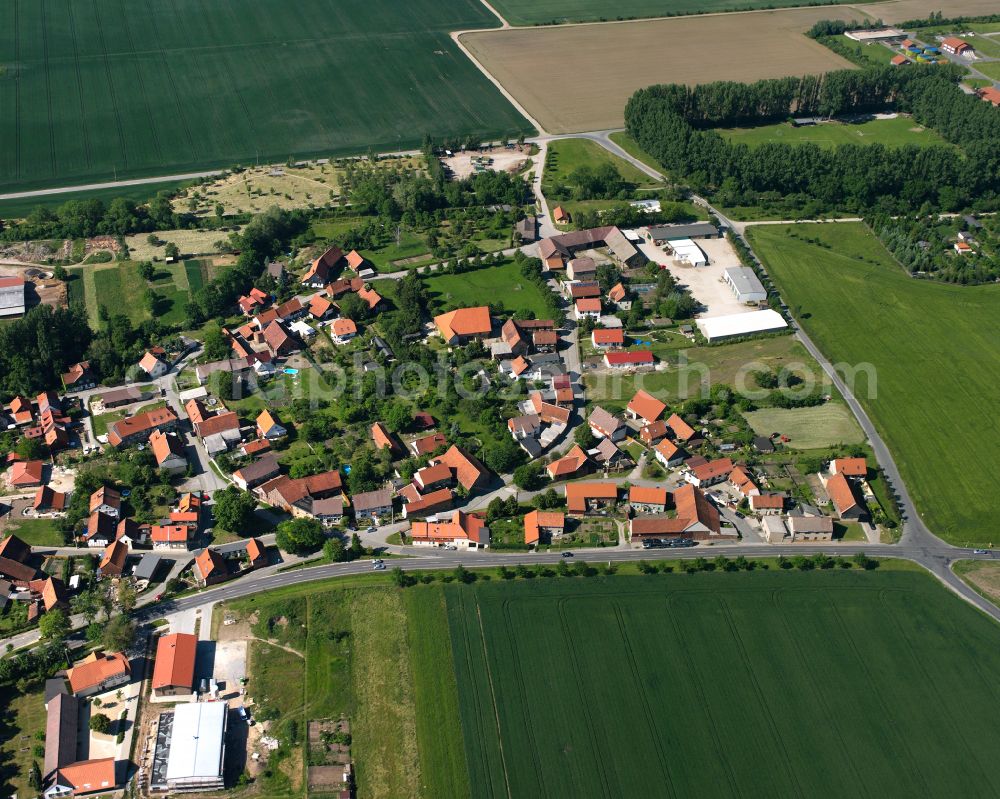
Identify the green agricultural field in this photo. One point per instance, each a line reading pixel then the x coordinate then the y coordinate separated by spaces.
pixel 497 285
pixel 933 349
pixel 547 12
pixel 809 428
pixel 90 92
pixel 766 683
pixel 891 132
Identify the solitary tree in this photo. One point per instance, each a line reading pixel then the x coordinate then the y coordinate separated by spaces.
pixel 100 723
pixel 54 625
pixel 172 250
pixel 146 270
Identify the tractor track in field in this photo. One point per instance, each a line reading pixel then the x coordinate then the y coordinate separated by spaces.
pixel 84 129
pixel 17 89
pixel 493 699
pixel 912 763
pixel 582 695
pixel 48 87
pixel 142 83
pixel 699 689
pixel 955 731
pixel 111 83
pixel 817 693
pixel 168 73
pixel 519 677
pixel 654 732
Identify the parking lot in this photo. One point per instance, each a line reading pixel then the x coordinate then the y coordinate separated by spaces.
pixel 704 282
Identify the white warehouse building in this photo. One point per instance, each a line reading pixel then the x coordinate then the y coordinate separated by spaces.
pixel 715 328
pixel 687 251
pixel 745 284
pixel 197 747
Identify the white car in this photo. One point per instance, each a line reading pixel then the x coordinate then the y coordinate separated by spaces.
pixel 378 567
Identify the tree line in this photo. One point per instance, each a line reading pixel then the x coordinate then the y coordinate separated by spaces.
pixel 673 123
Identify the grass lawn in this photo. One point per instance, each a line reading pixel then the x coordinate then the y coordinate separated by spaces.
pixel 933 349
pixel 565 156
pixel 631 146
pixel 809 428
pixel 38 532
pixel 499 285
pixel 24 716
pixel 91 93
pixel 693 367
pixel 654 679
pixel 891 132
pixel 989 68
pixel 848 532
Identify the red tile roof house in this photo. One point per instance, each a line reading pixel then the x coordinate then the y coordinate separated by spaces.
pixel 153 366
pixel 169 536
pixel 583 498
pixel 695 518
pixel 542 526
pixel 106 500
pixel 644 499
pixel 268 427
pixel 469 472
pixel 653 433
pixel 14 561
pixel 574 463
pixel 850 467
pixel 79 377
pixel 173 671
pixel 425 445
pixel 26 474
pixel 430 503
pixel 48 500
pixel 588 307
pixel 611 338
pixel 385 440
pixel 669 454
pixel 681 430
pixel 319 272
pixel 101 530
pixel 767 504
pixel 431 477
pixel 629 359
pixel 645 407
pixel 465 531
pixel 740 479
pixel 113 561
pixel 98 672
pixel 844 500
pixel 137 429
pixel 708 474
pixel 464 324
pixel 210 568
pixel 605 424
pixel 169 452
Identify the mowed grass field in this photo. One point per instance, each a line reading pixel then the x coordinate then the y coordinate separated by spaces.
pixel 896 132
pixel 564 156
pixel 497 285
pixel 578 77
pixel 97 89
pixel 934 351
pixel 809 428
pixel 767 683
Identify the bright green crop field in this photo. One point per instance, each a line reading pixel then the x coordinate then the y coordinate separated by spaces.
pixel 895 132
pixel 933 348
pixel 497 285
pixel 767 683
pixel 104 88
